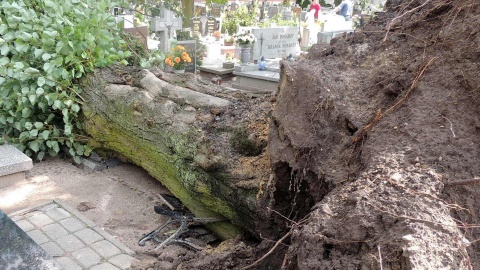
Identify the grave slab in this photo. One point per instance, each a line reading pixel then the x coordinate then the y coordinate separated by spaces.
pixel 13 164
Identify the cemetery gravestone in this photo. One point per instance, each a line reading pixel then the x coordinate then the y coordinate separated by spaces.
pixel 211 25
pixel 196 25
pixel 272 11
pixel 191 49
pixel 165 25
pixel 275 42
pixel 217 10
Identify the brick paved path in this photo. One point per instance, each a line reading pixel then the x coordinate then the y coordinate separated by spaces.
pixel 74 241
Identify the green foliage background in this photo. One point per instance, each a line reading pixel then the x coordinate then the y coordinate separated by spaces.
pixel 45 47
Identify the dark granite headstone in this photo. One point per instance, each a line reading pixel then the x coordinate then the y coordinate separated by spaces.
pixel 19 251
pixel 211 25
pixel 196 25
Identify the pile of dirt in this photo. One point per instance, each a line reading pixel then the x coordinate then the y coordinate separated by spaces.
pixel 367 142
pixel 366 137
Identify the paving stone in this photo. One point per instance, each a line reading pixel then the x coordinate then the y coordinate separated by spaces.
pixel 68 264
pixel 123 261
pixel 70 243
pixel 86 257
pixel 53 249
pixel 40 220
pixel 25 225
pixel 17 218
pixel 38 236
pixel 104 266
pixel 105 249
pixel 54 230
pixel 48 207
pixel 72 224
pixel 88 236
pixel 58 214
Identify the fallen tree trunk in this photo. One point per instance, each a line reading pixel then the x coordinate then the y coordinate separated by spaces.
pixel 180 136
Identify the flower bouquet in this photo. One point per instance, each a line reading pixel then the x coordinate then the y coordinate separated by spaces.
pixel 244 38
pixel 178 58
pixel 217 35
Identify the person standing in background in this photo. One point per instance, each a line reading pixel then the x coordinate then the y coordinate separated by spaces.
pixel 345 9
pixel 315 6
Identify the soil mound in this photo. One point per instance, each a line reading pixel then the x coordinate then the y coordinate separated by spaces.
pixel 367 137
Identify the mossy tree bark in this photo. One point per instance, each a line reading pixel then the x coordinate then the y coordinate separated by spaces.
pixel 165 128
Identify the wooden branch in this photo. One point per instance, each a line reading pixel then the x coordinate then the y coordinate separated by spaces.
pixel 463 182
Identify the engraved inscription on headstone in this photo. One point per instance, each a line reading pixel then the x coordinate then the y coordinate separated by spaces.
pixel 211 25
pixel 275 42
pixel 196 25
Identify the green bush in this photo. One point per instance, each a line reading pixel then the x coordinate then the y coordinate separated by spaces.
pixel 45 47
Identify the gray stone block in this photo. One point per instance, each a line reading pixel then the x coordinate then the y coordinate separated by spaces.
pixel 105 249
pixel 88 236
pixel 25 225
pixel 13 160
pixel 104 266
pixel 40 219
pixel 70 243
pixel 54 231
pixel 86 257
pixel 53 249
pixel 58 214
pixel 68 264
pixel 122 261
pixel 38 236
pixel 72 224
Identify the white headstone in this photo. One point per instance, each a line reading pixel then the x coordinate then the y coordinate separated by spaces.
pixel 275 42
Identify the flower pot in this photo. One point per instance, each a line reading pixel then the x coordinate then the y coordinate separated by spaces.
pixel 227 43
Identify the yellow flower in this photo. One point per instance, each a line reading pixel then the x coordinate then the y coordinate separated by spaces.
pixel 177 60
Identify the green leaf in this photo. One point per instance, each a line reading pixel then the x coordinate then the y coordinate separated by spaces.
pixel 34 145
pixel 68 129
pixel 32 98
pixel 46 56
pixel 2 80
pixel 39 91
pixel 26 112
pixel 38 52
pixel 4 61
pixel 34 132
pixel 40 155
pixel 4 50
pixel 41 81
pixel 55 147
pixel 77 159
pixel 45 135
pixel 75 108
pixel 18 65
pixel 38 125
pixel 68 102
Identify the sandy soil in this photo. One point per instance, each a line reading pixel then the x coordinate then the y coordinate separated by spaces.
pixel 119 199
